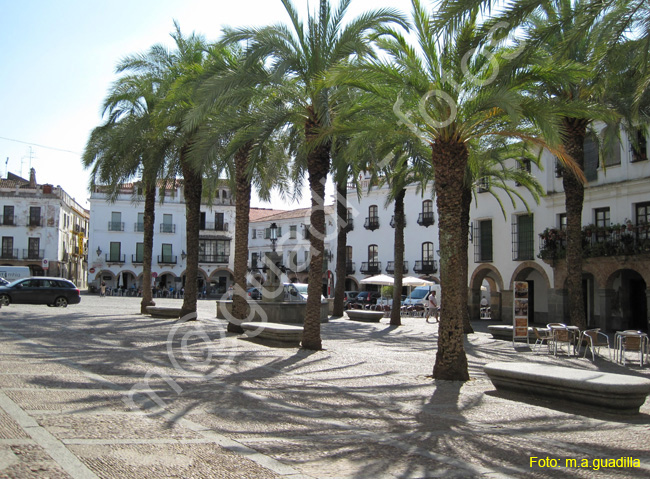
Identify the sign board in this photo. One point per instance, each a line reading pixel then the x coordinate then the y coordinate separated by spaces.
pixel 91 270
pixel 154 275
pixel 520 316
pixel 45 263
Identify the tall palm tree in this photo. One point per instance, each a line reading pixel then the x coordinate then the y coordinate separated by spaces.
pixel 300 56
pixel 128 146
pixel 449 101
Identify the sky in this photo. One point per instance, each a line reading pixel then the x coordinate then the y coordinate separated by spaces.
pixel 57 63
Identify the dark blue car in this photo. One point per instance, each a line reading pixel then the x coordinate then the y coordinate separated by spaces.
pixel 40 290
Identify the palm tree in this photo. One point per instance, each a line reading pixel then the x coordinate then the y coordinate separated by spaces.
pixel 128 145
pixel 449 101
pixel 300 56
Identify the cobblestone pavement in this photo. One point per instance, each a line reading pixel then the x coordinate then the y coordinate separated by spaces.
pixel 97 390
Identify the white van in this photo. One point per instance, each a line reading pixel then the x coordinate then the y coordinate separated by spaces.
pixel 12 273
pixel 420 295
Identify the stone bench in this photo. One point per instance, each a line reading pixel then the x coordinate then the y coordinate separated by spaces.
pixel 502 331
pixel 273 331
pixel 164 312
pixel 618 393
pixel 365 315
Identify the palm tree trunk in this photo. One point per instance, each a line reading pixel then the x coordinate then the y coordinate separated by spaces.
pixel 449 160
pixel 147 253
pixel 192 192
pixel 318 164
pixel 341 244
pixel 575 131
pixel 465 218
pixel 240 309
pixel 398 257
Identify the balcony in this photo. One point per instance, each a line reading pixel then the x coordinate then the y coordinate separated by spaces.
pixel 167 228
pixel 372 223
pixel 392 221
pixel 137 259
pixel 33 254
pixel 370 267
pixel 390 267
pixel 426 219
pixel 8 220
pixel 427 266
pixel 598 242
pixel 138 227
pixel 213 258
pixel 9 254
pixel 212 226
pixel 115 226
pixel 36 221
pixel 350 225
pixel 115 258
pixel 167 259
pixel 350 267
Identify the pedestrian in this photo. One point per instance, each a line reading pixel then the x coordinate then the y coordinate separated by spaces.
pixel 231 290
pixel 102 290
pixel 433 307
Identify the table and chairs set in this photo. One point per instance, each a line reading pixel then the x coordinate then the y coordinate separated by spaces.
pixel 559 337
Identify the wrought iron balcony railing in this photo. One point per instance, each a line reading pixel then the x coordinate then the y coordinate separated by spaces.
pixel 370 267
pixel 390 267
pixel 428 266
pixel 426 218
pixel 372 223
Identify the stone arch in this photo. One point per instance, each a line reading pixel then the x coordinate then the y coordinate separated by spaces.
pixel 489 273
pixel 220 280
pixel 349 282
pixel 625 300
pixel 539 290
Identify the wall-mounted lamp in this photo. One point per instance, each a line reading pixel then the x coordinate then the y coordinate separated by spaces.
pixel 183 254
pixel 99 251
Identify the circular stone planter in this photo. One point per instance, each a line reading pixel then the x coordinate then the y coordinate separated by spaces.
pixel 364 315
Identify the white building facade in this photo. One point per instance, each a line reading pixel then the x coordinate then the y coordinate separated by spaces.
pixel 43 228
pixel 371 236
pixel 117 232
pixel 530 245
pixel 293 246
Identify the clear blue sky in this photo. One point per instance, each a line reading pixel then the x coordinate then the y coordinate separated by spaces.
pixel 57 62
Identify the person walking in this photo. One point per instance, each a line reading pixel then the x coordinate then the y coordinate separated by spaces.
pixel 102 290
pixel 433 307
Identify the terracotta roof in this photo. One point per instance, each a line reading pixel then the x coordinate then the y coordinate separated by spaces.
pixel 258 214
pixel 288 214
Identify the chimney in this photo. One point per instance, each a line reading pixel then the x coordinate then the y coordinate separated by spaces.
pixel 32 178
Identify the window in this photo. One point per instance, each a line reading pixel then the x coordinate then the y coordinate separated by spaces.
pixel 483 245
pixel 115 254
pixel 253 233
pixel 427 251
pixel 34 216
pixel 372 221
pixel 426 217
pixel 562 221
pixel 523 165
pixel 8 247
pixel 373 253
pixel 139 226
pixel 523 240
pixel 483 184
pixel 167 253
pixel 559 169
pixel 613 154
pixel 254 259
pixel 167 225
pixel 214 251
pixel 591 158
pixel 116 222
pixel 293 232
pixel 202 221
pixel 293 260
pixel 219 224
pixel 33 246
pixel 348 253
pixel 643 220
pixel 640 146
pixel 601 216
pixel 139 253
pixel 8 215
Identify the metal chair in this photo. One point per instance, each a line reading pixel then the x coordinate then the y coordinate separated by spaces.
pixel 595 340
pixel 540 337
pixel 635 343
pixel 562 335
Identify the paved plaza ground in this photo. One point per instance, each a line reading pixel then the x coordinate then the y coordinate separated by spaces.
pixel 97 390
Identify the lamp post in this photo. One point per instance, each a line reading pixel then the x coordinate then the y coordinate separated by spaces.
pixel 274 236
pixel 273 290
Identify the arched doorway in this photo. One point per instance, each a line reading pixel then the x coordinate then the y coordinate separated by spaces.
pixel 486 281
pixel 220 281
pixel 628 303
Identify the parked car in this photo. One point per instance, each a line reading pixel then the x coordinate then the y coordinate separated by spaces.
pixel 254 293
pixel 3 282
pixel 40 290
pixel 366 298
pixel 349 295
pixel 302 289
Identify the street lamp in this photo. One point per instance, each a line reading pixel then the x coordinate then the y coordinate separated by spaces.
pixel 274 235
